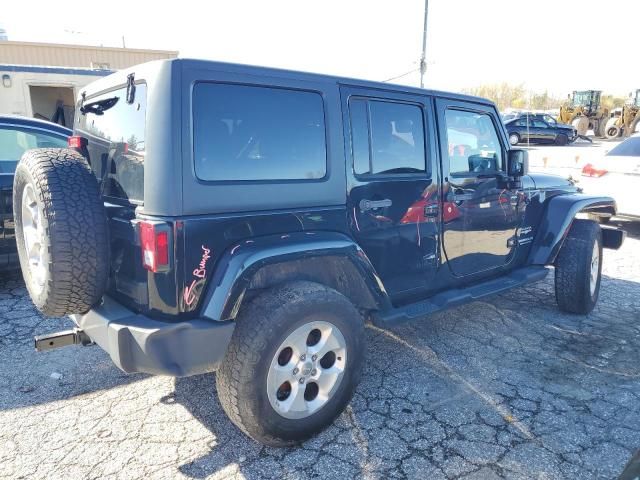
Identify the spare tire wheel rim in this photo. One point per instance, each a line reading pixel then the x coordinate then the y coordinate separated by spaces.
pixel 595 268
pixel 306 370
pixel 33 234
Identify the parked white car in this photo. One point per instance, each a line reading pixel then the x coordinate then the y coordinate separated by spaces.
pixel 617 175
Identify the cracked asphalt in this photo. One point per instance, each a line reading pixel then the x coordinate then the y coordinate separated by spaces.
pixel 506 388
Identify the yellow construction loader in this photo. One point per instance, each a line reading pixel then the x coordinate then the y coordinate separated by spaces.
pixel 583 110
pixel 628 121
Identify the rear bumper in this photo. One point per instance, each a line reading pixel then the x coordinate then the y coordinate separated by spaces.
pixel 140 344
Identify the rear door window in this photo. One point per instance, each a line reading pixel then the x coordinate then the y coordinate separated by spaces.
pixel 115 131
pixel 387 137
pixel 251 133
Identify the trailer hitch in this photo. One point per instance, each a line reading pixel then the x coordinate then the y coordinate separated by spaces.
pixel 64 338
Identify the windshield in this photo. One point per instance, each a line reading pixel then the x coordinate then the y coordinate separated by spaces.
pixel 629 148
pixel 115 131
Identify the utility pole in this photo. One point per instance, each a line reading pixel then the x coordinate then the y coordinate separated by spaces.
pixel 423 61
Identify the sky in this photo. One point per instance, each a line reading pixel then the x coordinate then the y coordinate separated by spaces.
pixel 554 45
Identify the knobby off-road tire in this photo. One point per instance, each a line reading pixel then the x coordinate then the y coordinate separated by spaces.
pixel 577 278
pixel 263 330
pixel 66 229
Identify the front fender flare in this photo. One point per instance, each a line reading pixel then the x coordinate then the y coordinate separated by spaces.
pixel 239 264
pixel 557 219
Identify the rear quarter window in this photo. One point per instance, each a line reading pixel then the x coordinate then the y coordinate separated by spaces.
pixel 251 133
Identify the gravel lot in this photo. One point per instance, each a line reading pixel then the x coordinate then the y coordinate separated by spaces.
pixel 507 388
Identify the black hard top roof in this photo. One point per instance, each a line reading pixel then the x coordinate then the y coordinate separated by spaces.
pixel 242 69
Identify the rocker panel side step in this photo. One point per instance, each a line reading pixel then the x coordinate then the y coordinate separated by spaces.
pixel 460 296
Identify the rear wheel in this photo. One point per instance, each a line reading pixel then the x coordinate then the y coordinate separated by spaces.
pixel 579 268
pixel 61 231
pixel 514 138
pixel 293 363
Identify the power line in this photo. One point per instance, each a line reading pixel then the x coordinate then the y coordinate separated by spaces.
pixel 400 76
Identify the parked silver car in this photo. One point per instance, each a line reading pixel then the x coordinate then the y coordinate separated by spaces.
pixel 617 175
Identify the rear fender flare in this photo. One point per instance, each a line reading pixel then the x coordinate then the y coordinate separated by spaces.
pixel 247 263
pixel 557 219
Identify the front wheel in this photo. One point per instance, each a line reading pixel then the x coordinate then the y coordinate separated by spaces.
pixel 579 268
pixel 562 139
pixel 293 363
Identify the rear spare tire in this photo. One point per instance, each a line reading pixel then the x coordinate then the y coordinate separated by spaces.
pixel 61 231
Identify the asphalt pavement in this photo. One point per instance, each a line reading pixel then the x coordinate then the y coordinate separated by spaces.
pixel 504 388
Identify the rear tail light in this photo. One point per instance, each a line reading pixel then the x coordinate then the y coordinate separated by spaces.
pixel 590 171
pixel 154 242
pixel 77 142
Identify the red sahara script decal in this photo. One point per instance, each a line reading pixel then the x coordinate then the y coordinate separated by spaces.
pixel 200 273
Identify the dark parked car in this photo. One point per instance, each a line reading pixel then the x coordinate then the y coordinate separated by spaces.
pixel 18 134
pixel 249 220
pixel 539 128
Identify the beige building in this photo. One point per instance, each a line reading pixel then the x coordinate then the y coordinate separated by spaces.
pixel 78 56
pixel 43 80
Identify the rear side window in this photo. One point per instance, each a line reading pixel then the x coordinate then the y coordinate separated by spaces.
pixel 387 137
pixel 245 132
pixel 115 131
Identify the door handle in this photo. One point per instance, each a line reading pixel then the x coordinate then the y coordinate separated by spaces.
pixel 373 204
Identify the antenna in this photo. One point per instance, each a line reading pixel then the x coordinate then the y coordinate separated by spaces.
pixel 423 62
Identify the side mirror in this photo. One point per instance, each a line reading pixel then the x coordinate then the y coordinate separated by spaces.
pixel 517 163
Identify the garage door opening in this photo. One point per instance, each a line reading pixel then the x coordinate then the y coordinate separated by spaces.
pixel 55 104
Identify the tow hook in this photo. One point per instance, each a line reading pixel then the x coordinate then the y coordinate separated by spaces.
pixel 61 339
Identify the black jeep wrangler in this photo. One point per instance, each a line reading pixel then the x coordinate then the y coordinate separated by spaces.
pixel 247 220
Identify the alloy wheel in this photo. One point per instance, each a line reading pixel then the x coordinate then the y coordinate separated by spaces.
pixel 306 370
